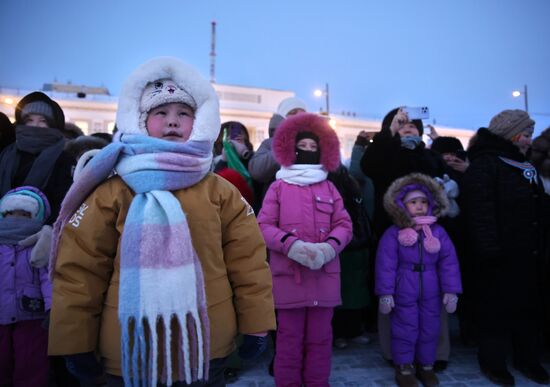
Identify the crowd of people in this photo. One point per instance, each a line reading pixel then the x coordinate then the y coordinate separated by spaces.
pixel 143 257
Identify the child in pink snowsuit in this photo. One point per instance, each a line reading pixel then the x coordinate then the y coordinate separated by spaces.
pixel 305 226
pixel 416 273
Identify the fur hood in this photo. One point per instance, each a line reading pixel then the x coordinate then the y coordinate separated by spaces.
pixel 438 203
pixel 207 115
pixel 284 140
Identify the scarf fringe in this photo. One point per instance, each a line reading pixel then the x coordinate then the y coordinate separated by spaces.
pixel 140 355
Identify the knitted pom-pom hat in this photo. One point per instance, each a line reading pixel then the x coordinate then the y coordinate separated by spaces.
pixel 284 140
pixel 289 104
pixel 26 198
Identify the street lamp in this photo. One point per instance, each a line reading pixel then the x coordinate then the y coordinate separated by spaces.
pixel 517 93
pixel 320 93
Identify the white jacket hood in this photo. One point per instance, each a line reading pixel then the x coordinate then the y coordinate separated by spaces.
pixel 206 126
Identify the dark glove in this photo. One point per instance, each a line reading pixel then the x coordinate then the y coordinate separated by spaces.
pixel 362 140
pixel 85 367
pixel 253 347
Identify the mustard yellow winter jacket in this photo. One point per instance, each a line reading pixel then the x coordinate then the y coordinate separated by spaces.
pixel 226 237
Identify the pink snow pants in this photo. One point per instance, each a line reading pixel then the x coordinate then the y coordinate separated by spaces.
pixel 304 347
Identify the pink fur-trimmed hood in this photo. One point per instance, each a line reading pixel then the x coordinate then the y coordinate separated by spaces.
pixel 284 140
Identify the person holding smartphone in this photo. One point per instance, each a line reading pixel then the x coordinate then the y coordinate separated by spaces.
pixel 396 151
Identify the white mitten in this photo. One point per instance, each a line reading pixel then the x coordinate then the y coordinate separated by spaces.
pixel 450 300
pixel 318 260
pixel 386 304
pixel 42 241
pixel 449 185
pixel 303 252
pixel 327 250
pixel 451 189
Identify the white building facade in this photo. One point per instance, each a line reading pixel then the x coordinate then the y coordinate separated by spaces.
pixel 250 105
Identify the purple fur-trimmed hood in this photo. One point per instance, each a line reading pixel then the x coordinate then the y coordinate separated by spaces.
pixel 284 140
pixel 438 203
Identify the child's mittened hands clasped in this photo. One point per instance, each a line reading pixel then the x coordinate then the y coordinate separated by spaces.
pixel 386 304
pixel 327 251
pixel 450 301
pixel 306 254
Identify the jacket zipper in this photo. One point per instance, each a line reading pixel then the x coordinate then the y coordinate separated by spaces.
pixel 421 253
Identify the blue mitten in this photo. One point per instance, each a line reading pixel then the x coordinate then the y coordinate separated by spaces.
pixel 253 347
pixel 84 366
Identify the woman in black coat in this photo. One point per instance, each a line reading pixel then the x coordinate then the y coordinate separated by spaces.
pixel 502 198
pixel 37 157
pixel 397 150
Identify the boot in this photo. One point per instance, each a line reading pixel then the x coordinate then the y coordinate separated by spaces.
pixel 426 375
pixel 404 375
pixel 535 372
pixel 501 377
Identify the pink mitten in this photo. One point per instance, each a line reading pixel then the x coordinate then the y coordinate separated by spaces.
pixel 450 300
pixel 386 304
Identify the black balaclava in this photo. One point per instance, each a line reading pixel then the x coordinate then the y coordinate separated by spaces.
pixel 307 157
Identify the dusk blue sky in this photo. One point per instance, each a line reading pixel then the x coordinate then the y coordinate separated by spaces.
pixel 461 58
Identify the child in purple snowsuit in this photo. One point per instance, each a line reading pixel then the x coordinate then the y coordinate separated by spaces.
pixel 305 227
pixel 25 291
pixel 417 272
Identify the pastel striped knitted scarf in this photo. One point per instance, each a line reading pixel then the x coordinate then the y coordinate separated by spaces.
pixel 161 280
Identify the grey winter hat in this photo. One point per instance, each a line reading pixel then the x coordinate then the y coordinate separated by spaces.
pixel 508 123
pixel 38 107
pixel 274 123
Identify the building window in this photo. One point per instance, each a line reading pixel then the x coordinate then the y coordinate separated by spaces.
pixel 260 135
pixel 84 125
pixel 98 127
pixel 110 126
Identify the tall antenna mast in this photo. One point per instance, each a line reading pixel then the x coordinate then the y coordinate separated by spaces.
pixel 213 54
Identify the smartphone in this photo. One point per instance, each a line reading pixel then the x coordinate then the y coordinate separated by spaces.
pixel 417 113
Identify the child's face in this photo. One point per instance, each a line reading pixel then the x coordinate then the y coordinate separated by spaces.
pixel 237 135
pixel 17 214
pixel 36 120
pixel 523 140
pixel 417 206
pixel 172 122
pixel 307 144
